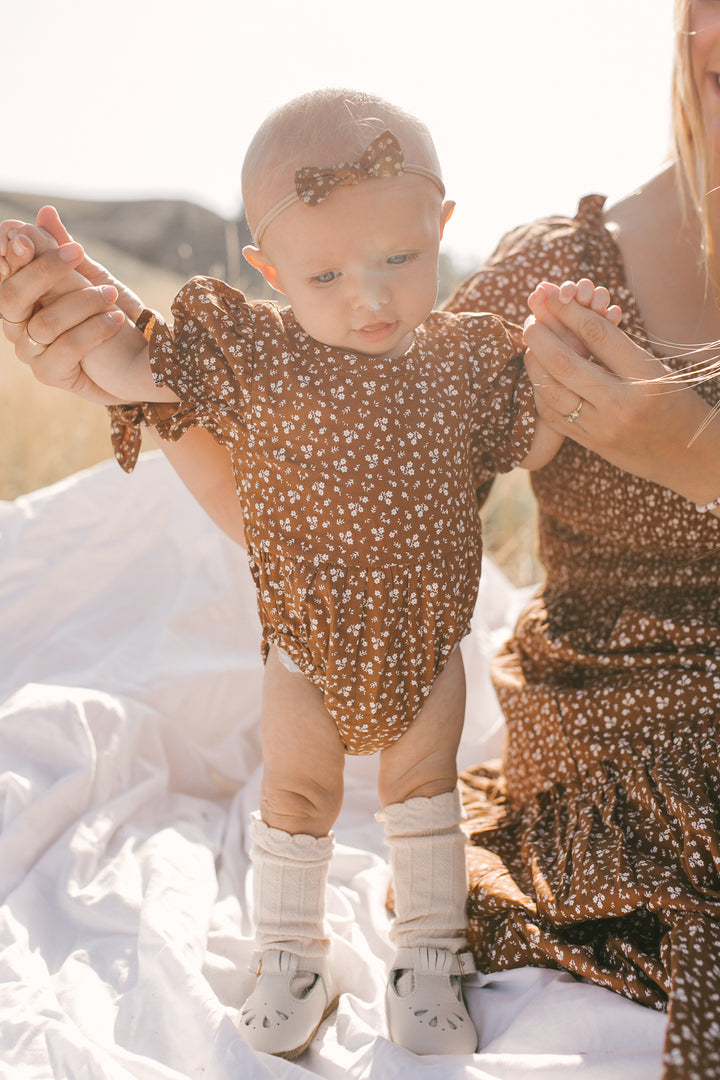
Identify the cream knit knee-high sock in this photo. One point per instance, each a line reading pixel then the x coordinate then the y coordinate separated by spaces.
pixel 427 860
pixel 289 881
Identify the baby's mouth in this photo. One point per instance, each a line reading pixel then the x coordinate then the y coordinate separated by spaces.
pixel 376 331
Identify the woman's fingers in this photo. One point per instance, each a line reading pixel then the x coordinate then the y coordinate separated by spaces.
pixel 47 234
pixel 24 289
pixel 52 315
pixel 604 341
pixel 556 368
pixel 554 401
pixel 645 428
pixel 58 366
pixel 49 220
pixel 56 338
pixel 48 323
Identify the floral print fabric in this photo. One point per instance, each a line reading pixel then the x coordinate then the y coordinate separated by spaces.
pixel 357 481
pixel 596 847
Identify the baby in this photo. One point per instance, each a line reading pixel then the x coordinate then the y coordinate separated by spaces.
pixel 354 417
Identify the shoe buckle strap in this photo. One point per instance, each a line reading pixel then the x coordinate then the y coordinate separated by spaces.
pixel 430 960
pixel 464 964
pixel 281 962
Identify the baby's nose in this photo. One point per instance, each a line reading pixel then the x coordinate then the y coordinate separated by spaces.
pixel 370 293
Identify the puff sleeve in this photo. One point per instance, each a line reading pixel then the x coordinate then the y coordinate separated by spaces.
pixel 206 358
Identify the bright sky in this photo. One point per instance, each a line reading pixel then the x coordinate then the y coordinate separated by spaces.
pixel 531 104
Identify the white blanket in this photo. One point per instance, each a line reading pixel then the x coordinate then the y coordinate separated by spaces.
pixel 129 761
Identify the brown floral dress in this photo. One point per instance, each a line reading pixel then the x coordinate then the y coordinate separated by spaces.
pixel 356 476
pixel 597 847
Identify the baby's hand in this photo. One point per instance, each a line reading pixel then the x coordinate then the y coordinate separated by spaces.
pixel 43 300
pixel 57 300
pixel 62 265
pixel 589 295
pixel 584 292
pixel 21 242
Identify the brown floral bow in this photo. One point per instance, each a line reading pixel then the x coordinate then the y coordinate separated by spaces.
pixel 383 157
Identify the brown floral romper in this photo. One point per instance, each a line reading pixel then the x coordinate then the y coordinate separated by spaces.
pixel 356 476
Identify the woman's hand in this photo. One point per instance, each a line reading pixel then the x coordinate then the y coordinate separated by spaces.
pixel 52 312
pixel 48 221
pixel 624 410
pixel 62 305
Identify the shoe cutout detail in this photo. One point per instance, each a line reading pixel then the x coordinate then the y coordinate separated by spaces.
pixel 425 1005
pixel 288 1004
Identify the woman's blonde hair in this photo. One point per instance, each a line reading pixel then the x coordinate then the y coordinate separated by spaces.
pixel 689 139
pixel 697 177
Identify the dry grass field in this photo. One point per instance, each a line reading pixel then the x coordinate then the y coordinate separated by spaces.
pixel 46 435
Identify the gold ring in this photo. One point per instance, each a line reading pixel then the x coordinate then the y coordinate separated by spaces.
pixel 38 344
pixel 12 322
pixel 571 417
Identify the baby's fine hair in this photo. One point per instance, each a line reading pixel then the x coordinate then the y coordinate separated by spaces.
pixel 324 127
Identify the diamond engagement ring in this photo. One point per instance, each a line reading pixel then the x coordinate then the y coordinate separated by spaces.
pixel 573 416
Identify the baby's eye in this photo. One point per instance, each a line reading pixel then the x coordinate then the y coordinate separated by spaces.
pixel 399 260
pixel 326 278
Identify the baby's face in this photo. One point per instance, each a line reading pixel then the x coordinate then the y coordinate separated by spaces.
pixel 360 269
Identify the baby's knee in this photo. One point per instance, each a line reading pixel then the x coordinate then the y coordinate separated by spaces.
pixel 301 805
pixel 416 783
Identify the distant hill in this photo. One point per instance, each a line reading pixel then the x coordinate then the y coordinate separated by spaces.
pixel 179 237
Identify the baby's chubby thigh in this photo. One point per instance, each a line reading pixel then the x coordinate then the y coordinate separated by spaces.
pixel 423 761
pixel 303 754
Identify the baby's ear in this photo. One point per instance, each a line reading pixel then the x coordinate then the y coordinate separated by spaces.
pixel 256 258
pixel 446 213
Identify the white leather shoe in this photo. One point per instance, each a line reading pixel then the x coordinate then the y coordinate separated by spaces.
pixel 291 998
pixel 426 1009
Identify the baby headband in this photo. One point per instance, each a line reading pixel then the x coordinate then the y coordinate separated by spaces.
pixel 314 183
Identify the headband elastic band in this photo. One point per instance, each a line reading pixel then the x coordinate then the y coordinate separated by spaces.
pixel 383 157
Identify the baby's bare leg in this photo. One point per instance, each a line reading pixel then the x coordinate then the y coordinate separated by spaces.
pixel 303 754
pixel 423 760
